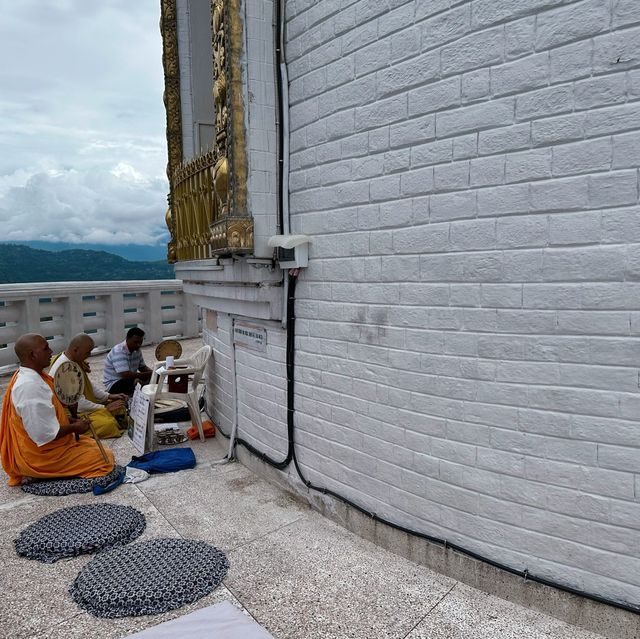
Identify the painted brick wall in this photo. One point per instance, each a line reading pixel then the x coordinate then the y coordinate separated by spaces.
pixel 261 386
pixel 469 324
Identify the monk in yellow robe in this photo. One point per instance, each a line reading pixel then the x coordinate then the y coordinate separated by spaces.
pixel 99 406
pixel 37 437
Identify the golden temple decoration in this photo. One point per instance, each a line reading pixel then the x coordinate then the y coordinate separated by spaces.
pixel 170 63
pixel 208 213
pixel 236 146
pixel 194 204
pixel 231 226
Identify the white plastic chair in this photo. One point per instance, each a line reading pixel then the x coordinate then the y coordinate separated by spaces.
pixel 192 366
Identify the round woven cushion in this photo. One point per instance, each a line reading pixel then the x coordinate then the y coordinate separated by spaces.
pixel 62 487
pixel 79 529
pixel 149 577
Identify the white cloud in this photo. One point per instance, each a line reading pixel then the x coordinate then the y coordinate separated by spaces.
pixel 127 172
pixel 82 132
pixel 117 206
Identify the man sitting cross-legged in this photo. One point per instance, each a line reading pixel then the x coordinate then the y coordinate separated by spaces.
pixel 96 404
pixel 37 438
pixel 124 366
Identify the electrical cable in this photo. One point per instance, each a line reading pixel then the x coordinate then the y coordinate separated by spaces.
pixel 281 465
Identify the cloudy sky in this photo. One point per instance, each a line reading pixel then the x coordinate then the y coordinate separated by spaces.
pixel 82 147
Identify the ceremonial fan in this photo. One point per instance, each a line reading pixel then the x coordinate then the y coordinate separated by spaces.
pixel 68 383
pixel 168 347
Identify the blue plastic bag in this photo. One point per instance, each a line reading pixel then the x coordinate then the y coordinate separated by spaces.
pixel 102 490
pixel 168 460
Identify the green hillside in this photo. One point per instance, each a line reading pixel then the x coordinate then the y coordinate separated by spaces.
pixel 20 263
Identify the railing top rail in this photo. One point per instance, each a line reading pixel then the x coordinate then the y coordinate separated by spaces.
pixel 51 289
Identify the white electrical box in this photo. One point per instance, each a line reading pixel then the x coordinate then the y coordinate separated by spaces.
pixel 292 251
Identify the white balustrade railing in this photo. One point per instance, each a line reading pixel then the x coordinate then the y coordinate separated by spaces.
pixel 105 310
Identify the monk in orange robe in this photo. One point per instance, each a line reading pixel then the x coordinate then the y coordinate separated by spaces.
pixel 37 437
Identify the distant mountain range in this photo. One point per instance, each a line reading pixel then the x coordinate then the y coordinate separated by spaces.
pixel 134 252
pixel 20 264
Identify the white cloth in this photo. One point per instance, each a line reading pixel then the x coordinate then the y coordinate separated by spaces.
pixel 222 620
pixel 134 475
pixel 84 405
pixel 32 399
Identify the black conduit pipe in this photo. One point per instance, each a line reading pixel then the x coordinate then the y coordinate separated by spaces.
pixel 281 465
pixel 278 37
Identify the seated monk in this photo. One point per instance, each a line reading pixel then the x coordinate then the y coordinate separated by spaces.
pixel 95 404
pixel 37 438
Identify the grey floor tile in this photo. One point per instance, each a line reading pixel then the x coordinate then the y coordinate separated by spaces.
pixel 25 510
pixel 314 579
pixel 225 505
pixel 86 626
pixel 467 613
pixel 36 594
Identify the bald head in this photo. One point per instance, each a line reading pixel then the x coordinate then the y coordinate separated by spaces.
pixel 81 340
pixel 80 348
pixel 33 351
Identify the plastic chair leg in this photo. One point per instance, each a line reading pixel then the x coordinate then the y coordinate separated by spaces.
pixel 194 409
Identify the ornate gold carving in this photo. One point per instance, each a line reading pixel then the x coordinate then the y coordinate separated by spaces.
pixel 232 226
pixel 232 234
pixel 172 255
pixel 219 75
pixel 171 66
pixel 208 198
pixel 194 203
pixel 236 146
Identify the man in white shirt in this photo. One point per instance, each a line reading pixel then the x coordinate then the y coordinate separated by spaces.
pixel 96 404
pixel 124 365
pixel 37 437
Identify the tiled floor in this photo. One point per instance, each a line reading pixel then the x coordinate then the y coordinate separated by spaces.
pixel 297 573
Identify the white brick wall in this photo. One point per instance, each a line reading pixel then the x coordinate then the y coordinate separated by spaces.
pixel 261 121
pixel 261 386
pixel 469 324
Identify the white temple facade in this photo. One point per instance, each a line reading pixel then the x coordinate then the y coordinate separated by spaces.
pixel 467 327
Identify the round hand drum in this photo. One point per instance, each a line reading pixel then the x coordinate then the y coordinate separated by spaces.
pixel 68 383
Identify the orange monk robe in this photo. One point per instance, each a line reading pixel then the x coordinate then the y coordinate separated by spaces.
pixel 63 457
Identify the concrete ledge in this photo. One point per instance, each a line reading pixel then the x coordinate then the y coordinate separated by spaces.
pixel 606 620
pixel 58 289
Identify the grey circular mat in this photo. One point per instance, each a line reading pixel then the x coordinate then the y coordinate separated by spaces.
pixel 149 577
pixel 61 487
pixel 79 529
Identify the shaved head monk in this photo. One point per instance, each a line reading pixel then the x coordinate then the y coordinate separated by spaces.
pixel 37 437
pixel 95 404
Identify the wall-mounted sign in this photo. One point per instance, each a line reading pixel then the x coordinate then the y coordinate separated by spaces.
pixel 250 335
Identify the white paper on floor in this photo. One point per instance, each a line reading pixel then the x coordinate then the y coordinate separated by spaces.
pixel 221 620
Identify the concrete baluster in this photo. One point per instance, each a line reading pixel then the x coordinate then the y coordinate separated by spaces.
pixel 31 314
pixel 114 319
pixel 73 317
pixel 153 317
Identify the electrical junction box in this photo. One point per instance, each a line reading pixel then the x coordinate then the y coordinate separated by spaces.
pixel 292 251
